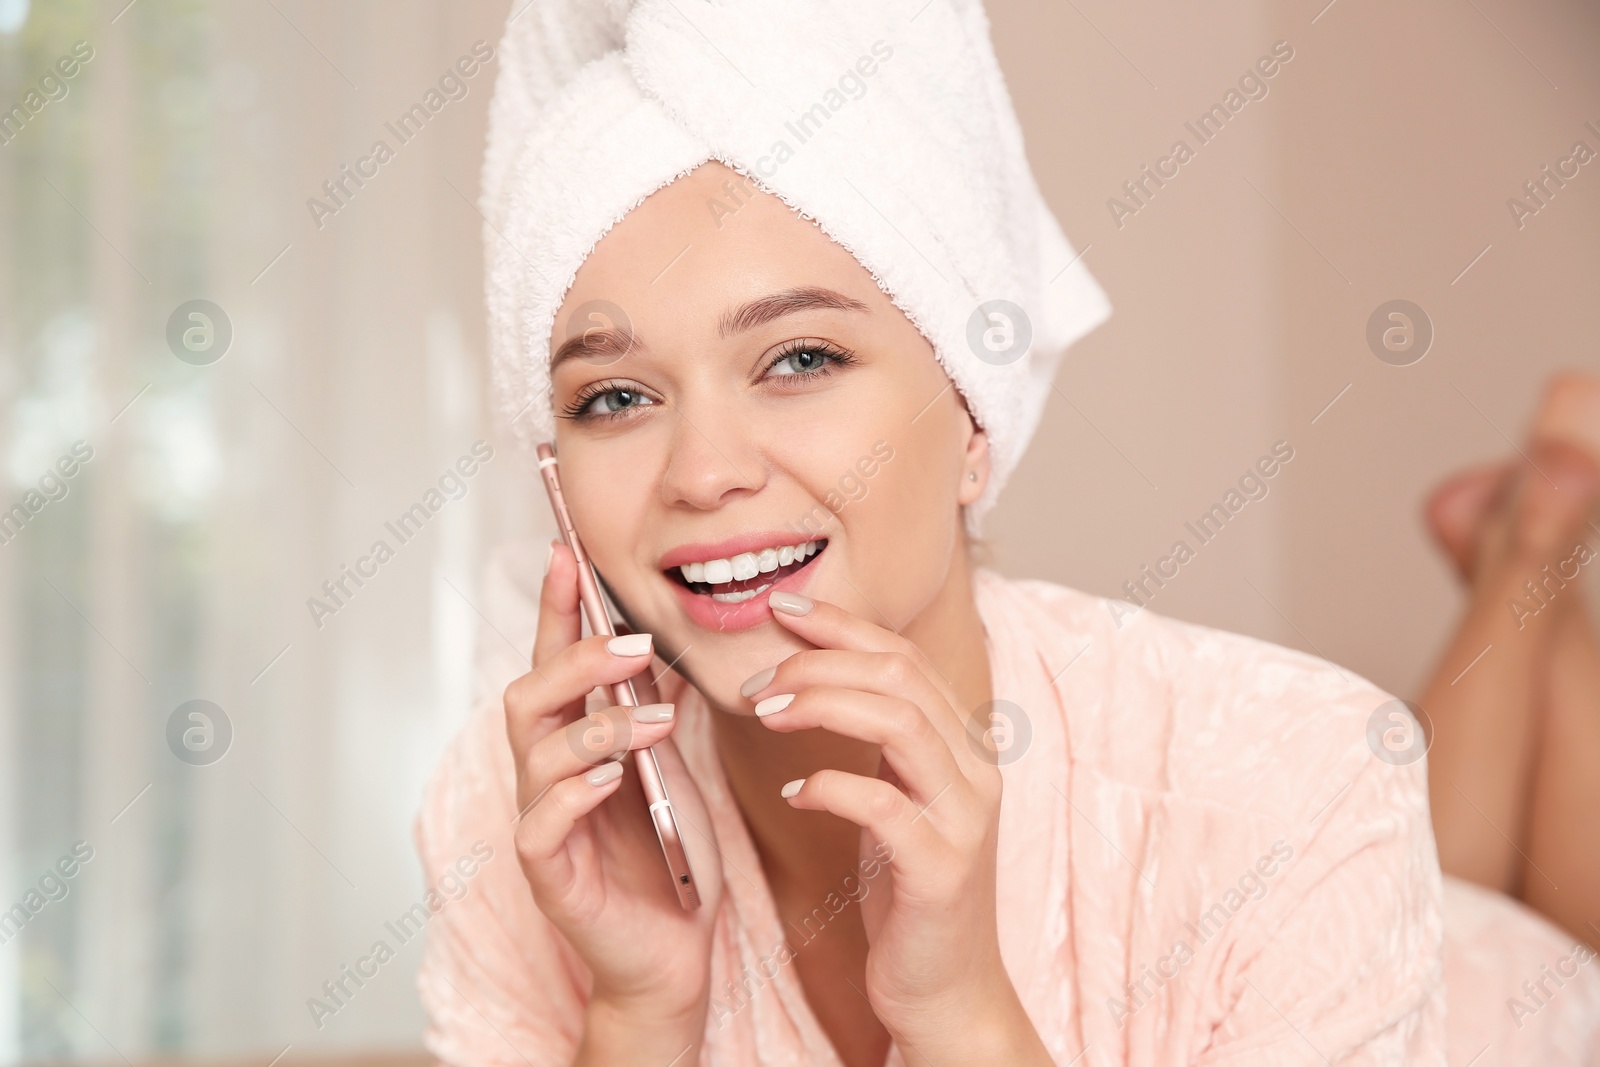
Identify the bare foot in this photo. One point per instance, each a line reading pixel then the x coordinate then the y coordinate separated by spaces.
pixel 1459 506
pixel 1570 410
pixel 1566 446
pixel 1535 506
pixel 1516 514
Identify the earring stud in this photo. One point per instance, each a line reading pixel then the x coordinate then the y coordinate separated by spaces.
pixel 972 476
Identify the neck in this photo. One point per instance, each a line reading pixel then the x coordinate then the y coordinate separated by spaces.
pixel 805 852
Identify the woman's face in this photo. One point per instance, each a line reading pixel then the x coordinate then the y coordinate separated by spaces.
pixel 730 384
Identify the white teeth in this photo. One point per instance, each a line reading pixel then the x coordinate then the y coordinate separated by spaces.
pixel 739 596
pixel 744 566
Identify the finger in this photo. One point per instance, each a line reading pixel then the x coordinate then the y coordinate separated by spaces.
pixel 830 626
pixel 560 624
pixel 557 687
pixel 889 674
pixel 911 745
pixel 644 686
pixel 588 742
pixel 880 808
pixel 542 833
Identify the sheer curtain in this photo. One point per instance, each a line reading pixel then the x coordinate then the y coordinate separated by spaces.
pixel 187 556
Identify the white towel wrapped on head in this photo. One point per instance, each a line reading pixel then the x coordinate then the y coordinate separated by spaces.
pixel 888 125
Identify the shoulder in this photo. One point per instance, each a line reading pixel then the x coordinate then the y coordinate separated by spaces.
pixel 1176 707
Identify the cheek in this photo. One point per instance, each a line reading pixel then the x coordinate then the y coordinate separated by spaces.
pixel 821 460
pixel 915 491
pixel 608 491
pixel 903 531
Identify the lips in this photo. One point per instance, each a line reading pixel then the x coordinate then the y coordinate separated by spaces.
pixel 732 579
pixel 726 590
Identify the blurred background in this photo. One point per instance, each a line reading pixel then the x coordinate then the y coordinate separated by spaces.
pixel 241 459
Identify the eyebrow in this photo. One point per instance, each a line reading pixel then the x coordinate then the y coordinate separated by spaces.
pixel 618 342
pixel 776 305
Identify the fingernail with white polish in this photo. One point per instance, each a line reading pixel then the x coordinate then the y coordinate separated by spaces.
pixel 629 645
pixel 775 704
pixel 603 774
pixel 757 682
pixel 549 555
pixel 652 713
pixel 792 788
pixel 789 603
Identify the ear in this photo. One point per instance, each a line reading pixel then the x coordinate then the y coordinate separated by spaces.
pixel 974 465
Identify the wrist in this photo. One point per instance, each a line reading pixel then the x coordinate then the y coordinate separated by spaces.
pixel 987 1027
pixel 1009 1036
pixel 620 1029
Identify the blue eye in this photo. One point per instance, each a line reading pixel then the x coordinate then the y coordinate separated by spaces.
pixel 805 359
pixel 603 400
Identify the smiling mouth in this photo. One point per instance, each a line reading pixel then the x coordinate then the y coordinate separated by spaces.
pixel 749 574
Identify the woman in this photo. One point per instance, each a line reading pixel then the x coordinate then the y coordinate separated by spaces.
pixel 935 816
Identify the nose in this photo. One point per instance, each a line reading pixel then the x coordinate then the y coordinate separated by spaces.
pixel 713 462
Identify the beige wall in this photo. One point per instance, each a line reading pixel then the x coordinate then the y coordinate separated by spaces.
pixel 1387 147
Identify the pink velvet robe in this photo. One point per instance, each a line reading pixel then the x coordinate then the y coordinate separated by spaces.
pixel 1201 862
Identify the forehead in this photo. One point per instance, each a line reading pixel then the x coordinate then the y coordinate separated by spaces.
pixel 706 241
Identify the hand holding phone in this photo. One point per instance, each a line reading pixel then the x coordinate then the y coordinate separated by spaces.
pixel 585 837
pixel 599 619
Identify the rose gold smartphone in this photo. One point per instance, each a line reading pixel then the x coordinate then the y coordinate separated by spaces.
pixel 644 759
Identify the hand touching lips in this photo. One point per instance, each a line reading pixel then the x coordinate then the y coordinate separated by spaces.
pixel 934 972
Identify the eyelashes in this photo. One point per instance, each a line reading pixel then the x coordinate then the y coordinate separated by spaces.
pixel 611 387
pixel 613 390
pixel 808 346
